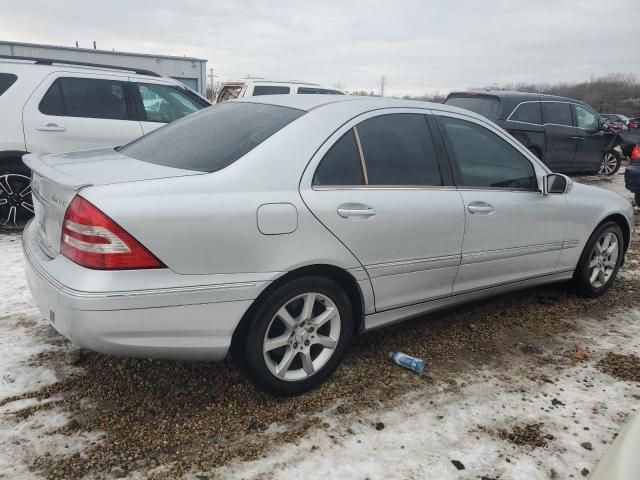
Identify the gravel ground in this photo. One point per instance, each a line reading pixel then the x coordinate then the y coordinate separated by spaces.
pixel 102 416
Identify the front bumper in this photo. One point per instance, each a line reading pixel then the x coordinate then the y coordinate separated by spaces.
pixel 183 323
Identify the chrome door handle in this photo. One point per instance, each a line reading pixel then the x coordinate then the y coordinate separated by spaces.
pixel 480 207
pixel 577 139
pixel 51 127
pixel 356 211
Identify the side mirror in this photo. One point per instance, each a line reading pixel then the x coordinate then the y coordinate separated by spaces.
pixel 605 127
pixel 557 183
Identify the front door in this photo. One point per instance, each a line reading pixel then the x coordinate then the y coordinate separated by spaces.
pixel 592 141
pixel 379 187
pixel 513 232
pixel 560 136
pixel 77 112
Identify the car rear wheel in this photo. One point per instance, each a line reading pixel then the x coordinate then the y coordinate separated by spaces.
pixel 16 205
pixel 600 261
pixel 636 197
pixel 611 162
pixel 298 336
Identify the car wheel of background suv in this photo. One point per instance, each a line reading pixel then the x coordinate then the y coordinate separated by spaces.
pixel 611 162
pixel 16 205
pixel 297 336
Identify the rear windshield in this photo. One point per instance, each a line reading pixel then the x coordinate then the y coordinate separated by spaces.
pixel 484 105
pixel 6 80
pixel 213 138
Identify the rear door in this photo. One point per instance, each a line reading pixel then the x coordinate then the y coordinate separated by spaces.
pixel 158 103
pixel 561 135
pixel 592 140
pixel 71 111
pixel 378 185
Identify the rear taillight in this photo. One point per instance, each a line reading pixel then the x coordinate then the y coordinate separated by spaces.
pixel 93 240
pixel 635 154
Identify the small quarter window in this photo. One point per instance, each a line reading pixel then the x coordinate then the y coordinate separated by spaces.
pixel 341 165
pixel 317 91
pixel 528 112
pixel 270 90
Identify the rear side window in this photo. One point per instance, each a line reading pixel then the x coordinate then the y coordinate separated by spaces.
pixel 483 159
pixel 270 90
pixel 230 92
pixel 528 112
pixel 6 80
pixel 485 105
pixel 86 98
pixel 341 165
pixel 398 150
pixel 318 91
pixel 213 138
pixel 557 113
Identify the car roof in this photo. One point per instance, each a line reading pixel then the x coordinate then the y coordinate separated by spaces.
pixel 358 103
pixel 520 96
pixel 46 65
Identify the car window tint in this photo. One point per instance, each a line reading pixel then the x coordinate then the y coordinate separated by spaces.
pixel 86 98
pixel 270 90
pixel 6 80
pixel 587 119
pixel 484 159
pixel 230 92
pixel 213 138
pixel 398 150
pixel 485 105
pixel 341 165
pixel 528 112
pixel 164 103
pixel 556 112
pixel 318 91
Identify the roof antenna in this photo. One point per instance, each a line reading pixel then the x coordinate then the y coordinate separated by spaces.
pixel 76 44
pixel 94 45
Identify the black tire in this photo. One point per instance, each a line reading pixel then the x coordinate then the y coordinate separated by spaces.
pixel 582 274
pixel 251 347
pixel 636 197
pixel 16 208
pixel 607 167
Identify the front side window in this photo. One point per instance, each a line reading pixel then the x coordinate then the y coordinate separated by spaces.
pixel 86 98
pixel 318 91
pixel 398 150
pixel 528 112
pixel 6 80
pixel 164 103
pixel 213 138
pixel 342 164
pixel 483 159
pixel 587 119
pixel 557 113
pixel 270 90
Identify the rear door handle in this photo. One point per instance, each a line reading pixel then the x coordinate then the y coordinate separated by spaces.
pixel 356 210
pixel 51 127
pixel 577 139
pixel 482 208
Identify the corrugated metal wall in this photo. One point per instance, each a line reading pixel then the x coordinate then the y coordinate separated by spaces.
pixel 192 70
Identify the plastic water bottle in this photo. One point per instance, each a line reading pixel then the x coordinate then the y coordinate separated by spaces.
pixel 407 361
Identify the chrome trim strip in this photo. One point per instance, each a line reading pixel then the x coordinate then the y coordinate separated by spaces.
pixel 415 265
pixel 384 187
pixel 363 164
pixel 486 256
pixel 387 317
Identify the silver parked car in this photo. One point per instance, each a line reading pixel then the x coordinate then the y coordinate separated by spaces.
pixel 279 227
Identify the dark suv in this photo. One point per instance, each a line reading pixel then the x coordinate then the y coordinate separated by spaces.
pixel 567 135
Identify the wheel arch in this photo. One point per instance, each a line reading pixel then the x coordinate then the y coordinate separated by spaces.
pixel 623 223
pixel 337 274
pixel 11 155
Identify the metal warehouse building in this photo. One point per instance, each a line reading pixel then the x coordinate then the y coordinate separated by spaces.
pixel 190 71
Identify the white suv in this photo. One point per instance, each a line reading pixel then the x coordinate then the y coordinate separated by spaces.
pixel 55 107
pixel 251 87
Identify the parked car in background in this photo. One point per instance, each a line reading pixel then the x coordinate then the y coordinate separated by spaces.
pixel 634 123
pixel 632 173
pixel 253 87
pixel 567 135
pixel 621 462
pixel 616 121
pixel 53 107
pixel 403 207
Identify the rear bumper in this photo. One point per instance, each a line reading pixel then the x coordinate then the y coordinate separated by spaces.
pixel 186 323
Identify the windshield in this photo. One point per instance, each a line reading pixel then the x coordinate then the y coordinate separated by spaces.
pixel 213 138
pixel 485 105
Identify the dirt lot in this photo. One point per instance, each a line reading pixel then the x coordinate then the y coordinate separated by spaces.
pixel 531 385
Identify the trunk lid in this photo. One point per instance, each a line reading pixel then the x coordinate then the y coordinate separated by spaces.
pixel 58 178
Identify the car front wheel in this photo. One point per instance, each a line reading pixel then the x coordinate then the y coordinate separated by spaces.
pixel 600 260
pixel 16 205
pixel 298 336
pixel 611 162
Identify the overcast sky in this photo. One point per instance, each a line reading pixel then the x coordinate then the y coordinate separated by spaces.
pixel 419 45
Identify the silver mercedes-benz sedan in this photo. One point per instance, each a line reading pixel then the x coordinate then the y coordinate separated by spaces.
pixel 280 227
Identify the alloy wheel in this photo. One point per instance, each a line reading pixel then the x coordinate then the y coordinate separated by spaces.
pixel 302 336
pixel 16 205
pixel 604 259
pixel 609 164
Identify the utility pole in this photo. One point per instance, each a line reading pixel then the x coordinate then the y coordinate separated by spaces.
pixel 211 85
pixel 383 81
